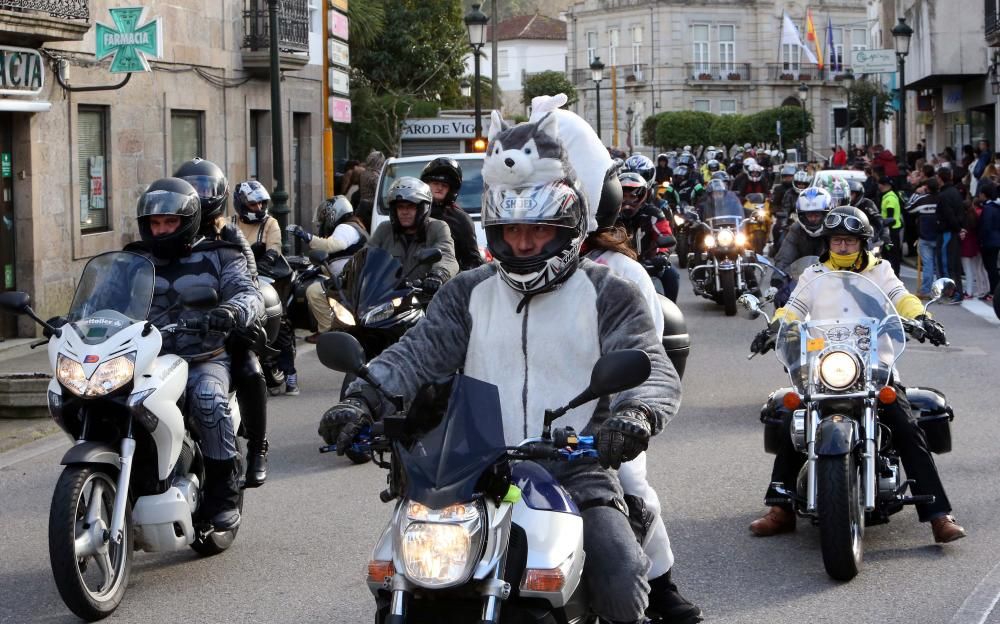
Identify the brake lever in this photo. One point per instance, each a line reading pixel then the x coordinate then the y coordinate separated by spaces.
pixel 39 343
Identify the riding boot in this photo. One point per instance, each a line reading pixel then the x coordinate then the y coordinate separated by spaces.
pixel 667 606
pixel 220 505
pixel 256 463
pixel 251 393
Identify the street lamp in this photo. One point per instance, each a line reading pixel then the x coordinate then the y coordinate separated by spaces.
pixel 848 80
pixel 279 196
pixel 629 116
pixel 803 93
pixel 465 87
pixel 475 21
pixel 597 75
pixel 901 34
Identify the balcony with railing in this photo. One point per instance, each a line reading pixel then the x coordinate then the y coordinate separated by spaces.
pixel 992 23
pixel 31 23
pixel 293 35
pixel 626 76
pixel 804 72
pixel 717 72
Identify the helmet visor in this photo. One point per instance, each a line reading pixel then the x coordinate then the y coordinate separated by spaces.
pixel 166 203
pixel 552 204
pixel 208 187
pixel 850 223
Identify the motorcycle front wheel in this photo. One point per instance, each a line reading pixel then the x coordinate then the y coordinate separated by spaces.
pixel 841 509
pixel 727 286
pixel 91 572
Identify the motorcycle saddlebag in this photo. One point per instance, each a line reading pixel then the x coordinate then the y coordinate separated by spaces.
pixel 272 311
pixel 934 416
pixel 676 341
pixel 775 417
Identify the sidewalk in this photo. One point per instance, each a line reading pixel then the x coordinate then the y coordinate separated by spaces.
pixel 17 357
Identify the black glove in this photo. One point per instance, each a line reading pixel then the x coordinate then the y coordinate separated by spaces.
pixel 298 232
pixel 342 422
pixel 431 284
pixel 625 435
pixel 933 330
pixel 221 319
pixel 763 341
pixel 777 281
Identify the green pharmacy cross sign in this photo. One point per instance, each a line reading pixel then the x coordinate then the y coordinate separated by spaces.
pixel 129 42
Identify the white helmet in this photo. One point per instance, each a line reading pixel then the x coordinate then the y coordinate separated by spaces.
pixel 755 172
pixel 811 206
pixel 749 162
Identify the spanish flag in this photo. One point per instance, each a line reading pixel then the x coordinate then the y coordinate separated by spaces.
pixel 811 36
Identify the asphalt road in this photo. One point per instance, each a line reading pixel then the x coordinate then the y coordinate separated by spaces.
pixel 307 534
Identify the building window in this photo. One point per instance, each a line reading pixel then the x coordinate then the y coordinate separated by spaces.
pixel 790 56
pixel 836 55
pixel 313 10
pixel 187 136
pixel 503 63
pixel 727 49
pixel 703 106
pixel 257 119
pixel 591 47
pixel 613 47
pixel 699 42
pixel 636 47
pixel 92 146
pixel 727 107
pixel 859 39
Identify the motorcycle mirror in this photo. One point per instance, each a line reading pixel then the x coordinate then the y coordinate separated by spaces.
pixel 341 352
pixel 614 372
pixel 317 257
pixel 429 255
pixel 199 297
pixel 943 287
pixel 15 302
pixel 750 306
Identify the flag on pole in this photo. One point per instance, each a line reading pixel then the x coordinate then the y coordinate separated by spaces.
pixel 811 36
pixel 790 36
pixel 835 61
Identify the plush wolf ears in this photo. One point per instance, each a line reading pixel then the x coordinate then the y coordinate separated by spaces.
pixel 542 104
pixel 548 125
pixel 497 125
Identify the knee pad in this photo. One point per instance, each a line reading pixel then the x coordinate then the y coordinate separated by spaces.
pixel 209 403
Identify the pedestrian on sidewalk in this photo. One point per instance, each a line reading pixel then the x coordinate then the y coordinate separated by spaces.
pixel 977 282
pixel 923 204
pixel 951 215
pixel 989 238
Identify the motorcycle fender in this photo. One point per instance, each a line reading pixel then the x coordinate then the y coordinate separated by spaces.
pixel 167 377
pixel 91 453
pixel 835 438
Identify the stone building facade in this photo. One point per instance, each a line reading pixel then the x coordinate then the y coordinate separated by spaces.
pixel 75 159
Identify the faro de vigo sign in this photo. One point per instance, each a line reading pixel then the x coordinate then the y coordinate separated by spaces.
pixel 131 40
pixel 22 71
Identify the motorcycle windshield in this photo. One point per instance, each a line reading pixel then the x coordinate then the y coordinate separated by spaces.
pixel 370 278
pixel 443 466
pixel 755 199
pixel 833 314
pixel 115 290
pixel 797 268
pixel 720 211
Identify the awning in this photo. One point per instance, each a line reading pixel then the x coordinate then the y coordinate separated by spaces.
pixel 24 106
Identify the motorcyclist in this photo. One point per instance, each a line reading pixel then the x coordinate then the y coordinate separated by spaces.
pixel 858 200
pixel 783 204
pixel 688 188
pixel 410 229
pixel 735 165
pixel 169 218
pixel 250 201
pixel 847 233
pixel 340 234
pixel 444 176
pixel 251 387
pixel 573 310
pixel 778 192
pixel 805 236
pixel 645 222
pixel 664 172
pixel 642 165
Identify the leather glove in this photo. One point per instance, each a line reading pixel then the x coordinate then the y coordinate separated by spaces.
pixel 625 435
pixel 298 232
pixel 763 341
pixel 221 319
pixel 431 284
pixel 777 281
pixel 933 330
pixel 342 422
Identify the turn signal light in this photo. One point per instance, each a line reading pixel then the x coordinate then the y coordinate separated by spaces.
pixel 791 401
pixel 378 571
pixel 887 395
pixel 543 580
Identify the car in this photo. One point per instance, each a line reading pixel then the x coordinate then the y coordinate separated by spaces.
pixel 470 197
pixel 822 178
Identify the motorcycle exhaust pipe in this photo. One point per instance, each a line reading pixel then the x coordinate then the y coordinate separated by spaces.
pixel 811 445
pixel 121 495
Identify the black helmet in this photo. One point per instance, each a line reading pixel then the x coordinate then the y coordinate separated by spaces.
pixel 209 182
pixel 330 213
pixel 411 190
pixel 251 192
pixel 687 158
pixel 847 221
pixel 680 174
pixel 169 197
pixel 713 165
pixel 642 165
pixel 856 187
pixel 662 158
pixel 635 190
pixel 447 170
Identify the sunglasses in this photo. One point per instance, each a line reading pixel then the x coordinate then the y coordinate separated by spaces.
pixel 851 223
pixel 635 193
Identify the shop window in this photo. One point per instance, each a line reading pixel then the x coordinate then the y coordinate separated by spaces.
pixel 92 146
pixel 187 136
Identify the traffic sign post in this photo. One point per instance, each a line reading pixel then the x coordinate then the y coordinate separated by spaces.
pixel 130 41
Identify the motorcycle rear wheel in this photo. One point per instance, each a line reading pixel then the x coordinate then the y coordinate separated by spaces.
pixel 727 286
pixel 841 511
pixel 91 574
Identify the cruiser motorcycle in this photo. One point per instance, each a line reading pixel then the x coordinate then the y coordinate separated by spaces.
pixel 841 365
pixel 133 478
pixel 477 525
pixel 728 267
pixel 758 223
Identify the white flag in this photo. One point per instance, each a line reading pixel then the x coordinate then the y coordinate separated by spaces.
pixel 790 36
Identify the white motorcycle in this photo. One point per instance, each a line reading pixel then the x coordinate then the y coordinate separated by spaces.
pixel 477 524
pixel 133 477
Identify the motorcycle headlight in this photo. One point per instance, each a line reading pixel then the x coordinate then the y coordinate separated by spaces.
pixel 741 239
pixel 762 214
pixel 440 547
pixel 342 314
pixel 382 312
pixel 725 238
pixel 108 377
pixel 679 220
pixel 839 370
pixel 709 241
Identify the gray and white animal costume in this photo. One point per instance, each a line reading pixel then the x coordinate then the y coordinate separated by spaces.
pixel 539 357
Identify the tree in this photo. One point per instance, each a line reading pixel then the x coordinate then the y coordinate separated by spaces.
pixel 728 130
pixel 860 112
pixel 548 83
pixel 796 124
pixel 649 129
pixel 682 128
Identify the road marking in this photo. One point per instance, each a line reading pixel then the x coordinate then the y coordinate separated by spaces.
pixel 980 603
pixel 34 449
